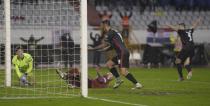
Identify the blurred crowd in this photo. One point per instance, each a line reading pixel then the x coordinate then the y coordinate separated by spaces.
pixel 153 4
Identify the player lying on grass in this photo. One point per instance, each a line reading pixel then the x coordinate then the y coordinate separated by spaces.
pixel 72 77
pixel 23 63
pixel 187 51
pixel 113 39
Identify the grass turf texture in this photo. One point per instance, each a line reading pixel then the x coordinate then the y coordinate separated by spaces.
pixel 160 89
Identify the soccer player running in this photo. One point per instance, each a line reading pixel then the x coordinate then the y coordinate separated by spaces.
pixel 187 51
pixel 114 40
pixel 23 63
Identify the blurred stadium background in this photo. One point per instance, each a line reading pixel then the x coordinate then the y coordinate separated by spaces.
pixel 41 19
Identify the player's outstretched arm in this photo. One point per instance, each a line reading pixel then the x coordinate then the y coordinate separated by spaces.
pixel 104 49
pixel 196 23
pixel 130 15
pixel 174 27
pixel 24 40
pixel 37 40
pixel 101 46
pixel 91 36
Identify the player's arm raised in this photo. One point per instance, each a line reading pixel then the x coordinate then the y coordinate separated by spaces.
pixel 91 36
pixel 37 40
pixel 24 40
pixel 174 27
pixel 196 23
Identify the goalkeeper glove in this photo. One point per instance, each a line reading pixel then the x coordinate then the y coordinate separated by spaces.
pixel 23 79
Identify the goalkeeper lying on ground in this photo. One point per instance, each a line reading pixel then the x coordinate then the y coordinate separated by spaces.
pixel 72 77
pixel 23 63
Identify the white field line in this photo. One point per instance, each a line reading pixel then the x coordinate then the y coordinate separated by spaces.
pixel 70 96
pixel 94 98
pixel 114 101
pixel 185 81
pixel 37 97
pixel 57 94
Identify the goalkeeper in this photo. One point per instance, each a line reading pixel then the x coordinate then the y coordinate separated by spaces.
pixel 23 63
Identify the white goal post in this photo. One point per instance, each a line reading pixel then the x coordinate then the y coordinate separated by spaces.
pixel 84 52
pixel 7 43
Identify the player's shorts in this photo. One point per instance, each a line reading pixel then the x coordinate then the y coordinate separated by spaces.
pixel 186 62
pixel 187 51
pixel 122 60
pixel 109 55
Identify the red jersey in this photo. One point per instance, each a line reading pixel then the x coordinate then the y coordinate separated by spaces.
pixel 73 78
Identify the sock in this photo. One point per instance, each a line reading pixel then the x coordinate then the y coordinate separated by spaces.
pixel 188 67
pixel 179 68
pixel 130 77
pixel 114 72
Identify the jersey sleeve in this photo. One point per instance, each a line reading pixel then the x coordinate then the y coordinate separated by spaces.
pixel 192 30
pixel 17 70
pixel 30 63
pixel 19 74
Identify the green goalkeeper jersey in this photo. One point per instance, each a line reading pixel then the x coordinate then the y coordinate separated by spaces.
pixel 24 65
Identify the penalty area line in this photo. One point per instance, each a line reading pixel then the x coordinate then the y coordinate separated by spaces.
pixel 38 97
pixel 114 101
pixel 185 81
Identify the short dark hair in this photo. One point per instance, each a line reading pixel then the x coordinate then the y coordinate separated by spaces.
pixel 18 47
pixel 183 24
pixel 107 22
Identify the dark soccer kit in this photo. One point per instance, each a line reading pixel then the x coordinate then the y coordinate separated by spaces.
pixel 115 39
pixel 187 44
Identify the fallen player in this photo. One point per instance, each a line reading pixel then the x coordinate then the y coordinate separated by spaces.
pixel 72 77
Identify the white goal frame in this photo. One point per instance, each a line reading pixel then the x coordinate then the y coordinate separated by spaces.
pixel 84 52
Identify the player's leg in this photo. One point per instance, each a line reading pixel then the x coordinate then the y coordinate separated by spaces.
pixel 61 74
pixel 188 62
pixel 182 56
pixel 94 58
pixel 111 65
pixel 64 57
pixel 98 59
pixel 71 81
pixel 188 68
pixel 124 65
pixel 130 77
pixel 71 57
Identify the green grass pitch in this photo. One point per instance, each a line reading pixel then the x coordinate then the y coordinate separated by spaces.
pixel 161 88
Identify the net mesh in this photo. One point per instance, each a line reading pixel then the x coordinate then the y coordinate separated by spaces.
pixel 48 30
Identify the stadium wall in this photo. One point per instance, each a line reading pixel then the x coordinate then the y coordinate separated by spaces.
pixel 200 36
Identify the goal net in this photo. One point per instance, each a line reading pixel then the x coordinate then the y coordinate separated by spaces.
pixel 50 31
